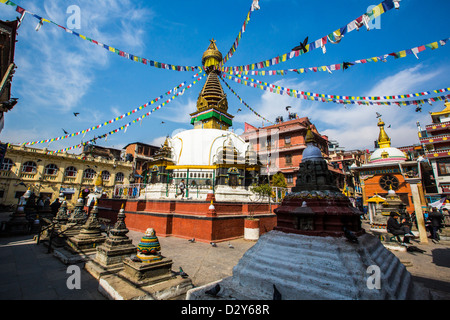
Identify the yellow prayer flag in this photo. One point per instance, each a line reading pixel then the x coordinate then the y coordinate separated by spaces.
pixel 378 10
pixel 402 54
pixel 434 45
pixel 283 57
pixel 112 49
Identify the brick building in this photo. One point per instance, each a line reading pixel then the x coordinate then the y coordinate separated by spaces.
pixel 140 154
pixel 282 145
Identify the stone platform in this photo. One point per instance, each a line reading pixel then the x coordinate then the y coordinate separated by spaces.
pixel 189 219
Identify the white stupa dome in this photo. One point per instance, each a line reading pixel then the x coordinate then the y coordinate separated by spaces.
pixel 389 154
pixel 199 147
pixel 311 152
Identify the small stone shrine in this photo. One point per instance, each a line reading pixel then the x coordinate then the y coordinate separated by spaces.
pixel 111 253
pixel 151 267
pixel 90 235
pixel 18 224
pixel 318 251
pixel 146 276
pixel 76 219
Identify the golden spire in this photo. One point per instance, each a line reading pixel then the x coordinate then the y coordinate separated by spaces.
pixel 309 137
pixel 383 139
pixel 212 103
pixel 211 57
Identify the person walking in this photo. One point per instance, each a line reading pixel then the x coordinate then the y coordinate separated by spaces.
pixel 182 187
pixel 436 223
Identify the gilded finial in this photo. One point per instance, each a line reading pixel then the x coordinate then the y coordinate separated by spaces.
pixel 309 137
pixel 383 139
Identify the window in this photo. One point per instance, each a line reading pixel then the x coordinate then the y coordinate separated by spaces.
pixel 6 165
pixel 51 169
pixel 29 167
pixel 287 140
pixel 288 159
pixel 89 174
pixel 443 168
pixel 289 178
pixel 70 172
pixel 119 177
pixel 105 175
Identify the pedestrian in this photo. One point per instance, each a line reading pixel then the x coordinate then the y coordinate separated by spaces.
pixel 397 229
pixel 55 206
pixel 436 223
pixel 182 187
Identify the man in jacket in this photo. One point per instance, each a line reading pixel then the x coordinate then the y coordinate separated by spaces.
pixel 394 227
pixel 436 223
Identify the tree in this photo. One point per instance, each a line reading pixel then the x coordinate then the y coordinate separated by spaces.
pixel 278 180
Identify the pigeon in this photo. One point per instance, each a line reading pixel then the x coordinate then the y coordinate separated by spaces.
pixel 350 236
pixel 38 160
pixel 418 109
pixel 76 113
pixel 389 126
pixel 302 46
pixel 276 293
pixel 238 110
pixel 162 122
pixel 414 249
pixel 183 274
pixel 135 258
pixel 378 115
pixel 230 246
pixel 213 291
pixel 65 131
pixel 345 65
pixel 288 107
pixel 213 244
pixel 192 240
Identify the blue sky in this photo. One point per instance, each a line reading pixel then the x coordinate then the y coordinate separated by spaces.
pixel 58 73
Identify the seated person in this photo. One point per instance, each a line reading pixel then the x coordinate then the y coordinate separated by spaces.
pixel 394 227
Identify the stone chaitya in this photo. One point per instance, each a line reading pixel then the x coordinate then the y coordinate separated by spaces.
pixel 90 235
pixel 318 251
pixel 147 275
pixel 114 250
pixel 75 220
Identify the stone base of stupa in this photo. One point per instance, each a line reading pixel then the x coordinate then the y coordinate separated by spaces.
pixel 221 192
pixel 85 245
pixel 69 257
pixel 109 260
pixel 316 268
pixel 144 281
pixel 143 274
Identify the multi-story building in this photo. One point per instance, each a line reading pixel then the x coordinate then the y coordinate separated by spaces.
pixel 436 141
pixel 140 154
pixel 49 174
pixel 281 146
pixel 8 31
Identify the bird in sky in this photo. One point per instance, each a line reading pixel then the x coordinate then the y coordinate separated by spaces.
pixel 76 113
pixel 162 122
pixel 65 132
pixel 345 65
pixel 418 109
pixel 302 46
pixel 378 114
pixel 238 110
pixel 288 107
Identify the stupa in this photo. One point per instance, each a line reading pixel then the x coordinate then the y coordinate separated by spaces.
pixel 18 224
pixel 76 219
pixel 210 155
pixel 148 275
pixel 318 250
pixel 110 255
pixel 90 235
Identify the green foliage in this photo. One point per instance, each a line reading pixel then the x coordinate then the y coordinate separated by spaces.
pixel 263 190
pixel 278 180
